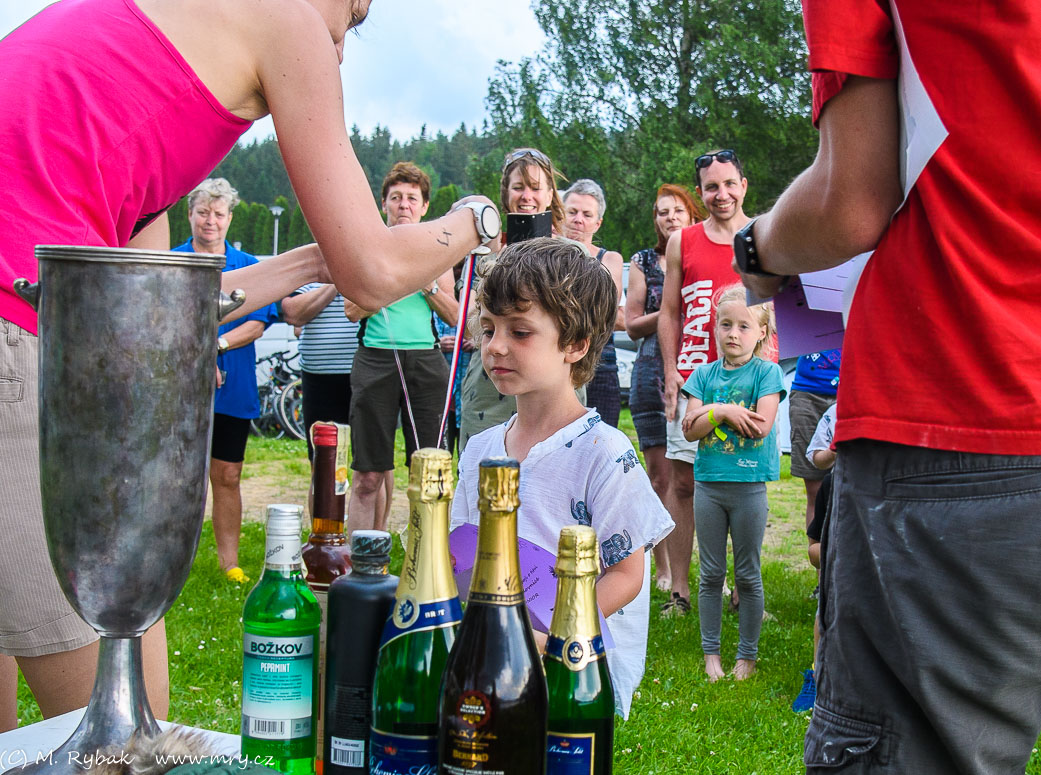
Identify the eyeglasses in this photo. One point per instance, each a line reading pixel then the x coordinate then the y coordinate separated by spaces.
pixel 520 153
pixel 726 156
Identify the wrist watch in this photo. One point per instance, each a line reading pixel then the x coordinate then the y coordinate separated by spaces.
pixel 745 253
pixel 222 345
pixel 433 289
pixel 486 219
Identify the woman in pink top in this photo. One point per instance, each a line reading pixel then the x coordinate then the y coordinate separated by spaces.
pixel 111 111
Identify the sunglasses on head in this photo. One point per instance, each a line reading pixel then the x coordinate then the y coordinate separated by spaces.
pixel 726 156
pixel 520 153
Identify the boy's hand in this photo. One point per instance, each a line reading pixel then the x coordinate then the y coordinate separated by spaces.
pixel 540 640
pixel 742 420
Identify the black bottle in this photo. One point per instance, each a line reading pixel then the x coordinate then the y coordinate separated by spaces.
pixel 359 604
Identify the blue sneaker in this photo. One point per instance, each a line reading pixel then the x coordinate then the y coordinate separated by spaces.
pixel 808 696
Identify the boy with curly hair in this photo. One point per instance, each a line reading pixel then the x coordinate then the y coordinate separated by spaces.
pixel 545 312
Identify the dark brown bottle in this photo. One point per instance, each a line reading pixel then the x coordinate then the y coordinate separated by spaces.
pixel 326 554
pixel 494 703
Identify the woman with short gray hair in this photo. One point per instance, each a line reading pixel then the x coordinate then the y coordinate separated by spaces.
pixel 584 206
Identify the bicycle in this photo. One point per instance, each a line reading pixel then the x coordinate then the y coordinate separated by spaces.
pixel 291 409
pixel 278 417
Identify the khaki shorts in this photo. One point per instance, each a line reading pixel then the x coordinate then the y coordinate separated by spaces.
pixel 676 446
pixel 377 399
pixel 804 412
pixel 35 617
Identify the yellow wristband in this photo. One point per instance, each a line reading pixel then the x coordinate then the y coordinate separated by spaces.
pixel 720 434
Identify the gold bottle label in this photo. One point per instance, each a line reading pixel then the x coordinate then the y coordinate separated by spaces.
pixel 496 575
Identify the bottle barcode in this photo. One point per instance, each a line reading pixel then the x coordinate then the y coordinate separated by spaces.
pixel 261 726
pixel 345 758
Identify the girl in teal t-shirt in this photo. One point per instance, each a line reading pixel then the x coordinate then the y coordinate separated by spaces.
pixel 731 412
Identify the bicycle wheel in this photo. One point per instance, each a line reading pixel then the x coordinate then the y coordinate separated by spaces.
pixel 267 426
pixel 291 409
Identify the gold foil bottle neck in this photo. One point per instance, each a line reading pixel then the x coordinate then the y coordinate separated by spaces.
pixel 497 485
pixel 577 552
pixel 430 477
pixel 575 629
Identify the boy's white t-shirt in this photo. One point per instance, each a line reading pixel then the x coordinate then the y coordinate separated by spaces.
pixel 822 434
pixel 587 473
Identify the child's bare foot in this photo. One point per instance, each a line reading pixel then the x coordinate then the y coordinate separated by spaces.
pixel 713 668
pixel 744 668
pixel 664 583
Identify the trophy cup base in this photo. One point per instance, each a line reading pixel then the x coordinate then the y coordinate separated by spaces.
pixel 118 709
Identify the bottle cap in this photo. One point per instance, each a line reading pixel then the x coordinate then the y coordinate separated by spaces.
pixel 577 551
pixel 372 546
pixel 284 519
pixel 430 476
pixel 323 434
pixel 497 484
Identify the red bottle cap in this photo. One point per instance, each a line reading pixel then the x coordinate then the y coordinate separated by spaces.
pixel 324 434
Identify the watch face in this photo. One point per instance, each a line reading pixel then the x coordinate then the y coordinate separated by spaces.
pixel 490 222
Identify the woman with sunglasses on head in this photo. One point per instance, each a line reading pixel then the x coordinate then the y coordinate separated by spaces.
pixel 674 209
pixel 528 187
pixel 160 90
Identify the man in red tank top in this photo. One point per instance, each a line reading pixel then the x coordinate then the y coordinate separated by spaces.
pixel 698 264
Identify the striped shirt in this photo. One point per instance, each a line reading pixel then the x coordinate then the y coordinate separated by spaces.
pixel 329 341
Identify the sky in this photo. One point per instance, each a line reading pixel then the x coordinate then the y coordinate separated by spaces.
pixel 411 62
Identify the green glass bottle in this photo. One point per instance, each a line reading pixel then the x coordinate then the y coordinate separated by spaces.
pixel 581 700
pixel 280 654
pixel 493 699
pixel 421 630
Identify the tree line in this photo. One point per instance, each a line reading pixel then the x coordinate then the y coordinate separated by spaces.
pixel 628 94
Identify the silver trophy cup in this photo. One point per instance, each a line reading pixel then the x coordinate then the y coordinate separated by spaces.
pixel 127 376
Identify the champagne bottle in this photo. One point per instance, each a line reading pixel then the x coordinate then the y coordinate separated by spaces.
pixel 279 670
pixel 493 700
pixel 581 700
pixel 326 555
pixel 419 634
pixel 359 604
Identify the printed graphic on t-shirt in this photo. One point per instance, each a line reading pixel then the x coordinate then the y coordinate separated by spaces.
pixel 581 513
pixel 628 460
pixel 733 441
pixel 616 548
pixel 696 338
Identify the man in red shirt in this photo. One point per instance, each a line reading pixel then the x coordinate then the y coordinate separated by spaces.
pixel 930 658
pixel 697 266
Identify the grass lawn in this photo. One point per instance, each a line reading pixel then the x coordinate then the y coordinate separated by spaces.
pixel 679 722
